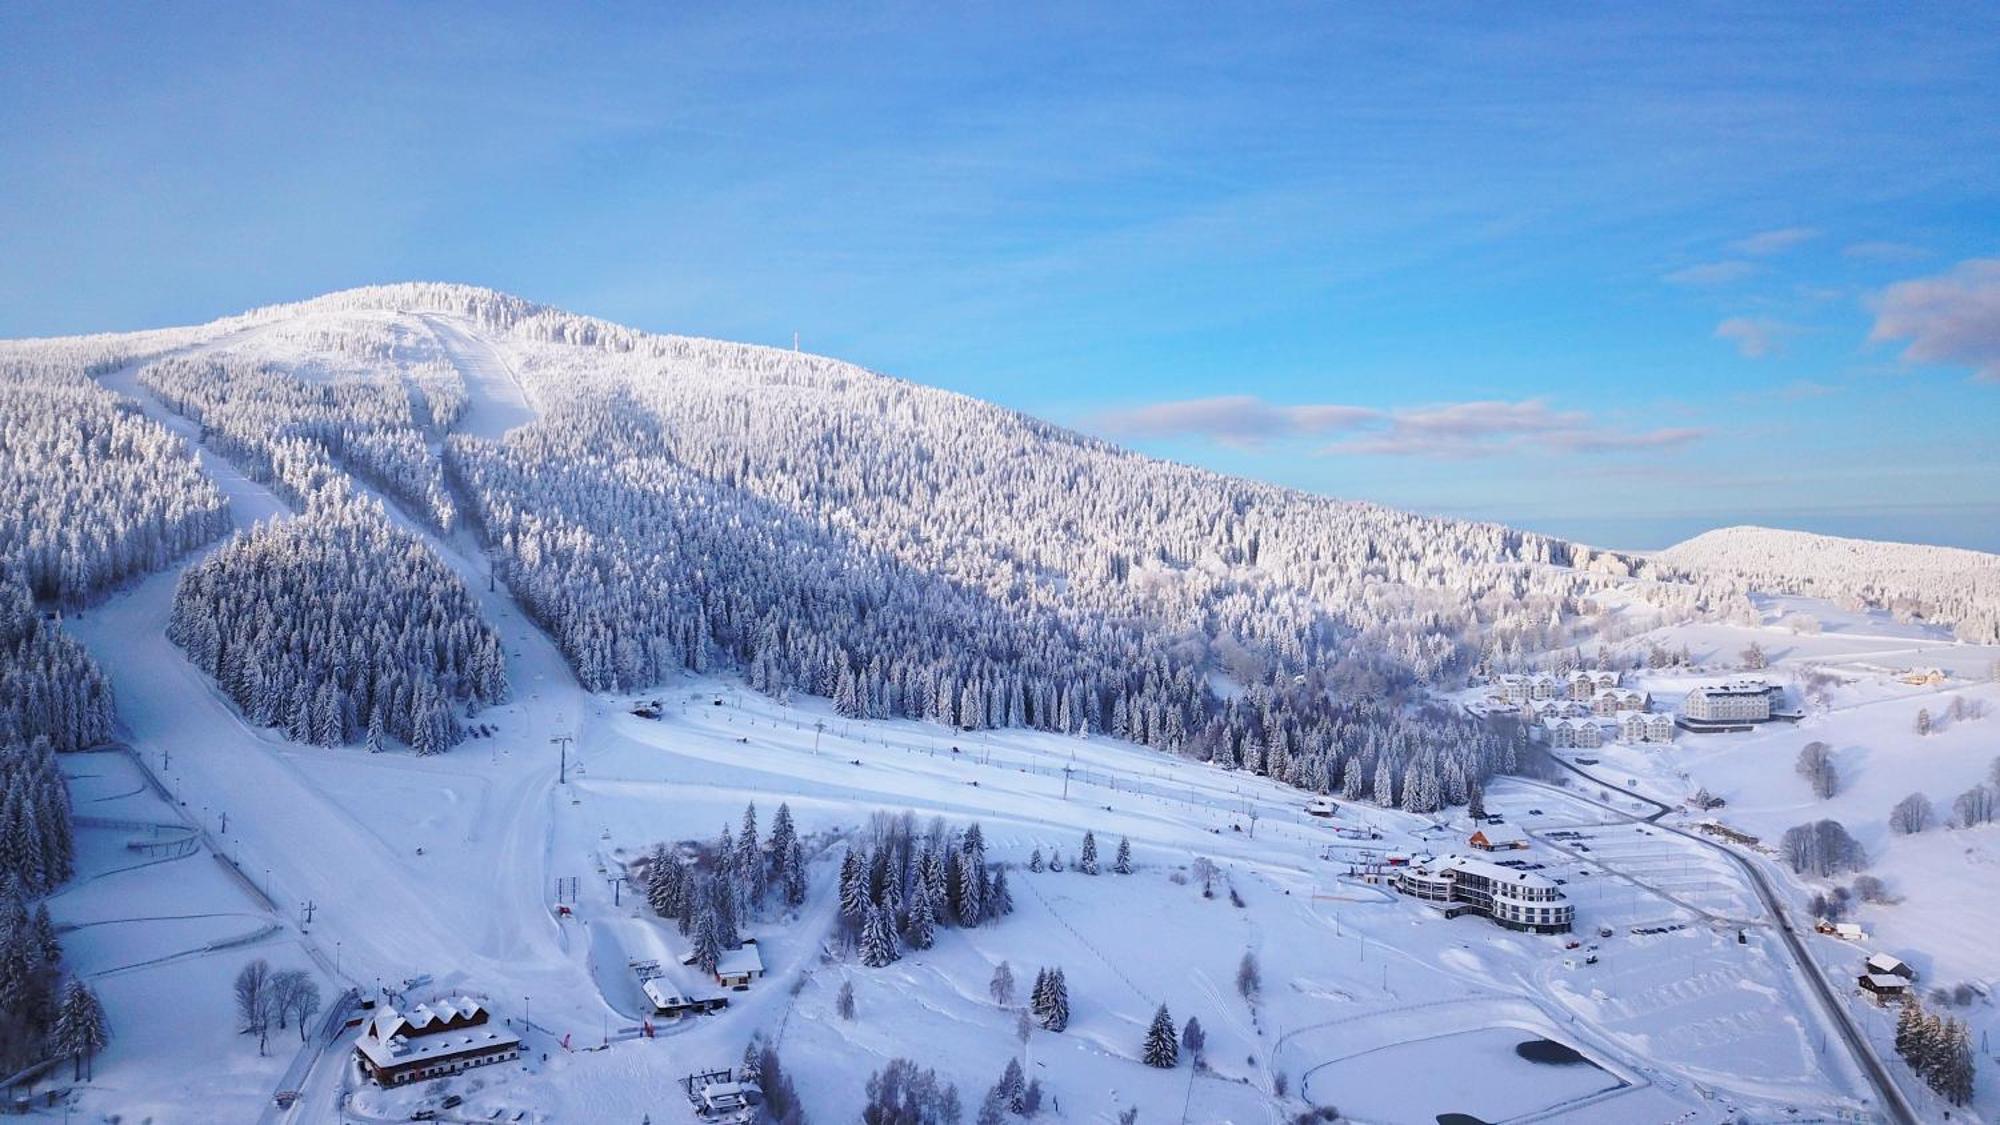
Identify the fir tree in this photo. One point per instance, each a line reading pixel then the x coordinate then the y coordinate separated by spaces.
pixel 999 900
pixel 878 939
pixel 1162 1047
pixel 1087 862
pixel 1122 864
pixel 922 919
pixel 79 1031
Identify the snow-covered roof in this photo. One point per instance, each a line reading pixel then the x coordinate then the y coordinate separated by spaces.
pixel 661 993
pixel 1485 868
pixel 393 1038
pixel 743 959
pixel 1501 834
pixel 1886 963
pixel 1736 687
pixel 1886 981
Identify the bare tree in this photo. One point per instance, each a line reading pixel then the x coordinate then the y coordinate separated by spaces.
pixel 1754 658
pixel 1911 815
pixel 1002 985
pixel 305 1003
pixel 1249 978
pixel 1815 764
pixel 844 1001
pixel 1821 848
pixel 1977 805
pixel 284 990
pixel 253 999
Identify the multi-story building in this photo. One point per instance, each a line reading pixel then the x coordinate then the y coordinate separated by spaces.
pixel 1639 726
pixel 1740 701
pixel 1584 684
pixel 1573 734
pixel 1610 701
pixel 1518 900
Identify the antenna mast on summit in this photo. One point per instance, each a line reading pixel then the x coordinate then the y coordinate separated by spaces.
pixel 795 339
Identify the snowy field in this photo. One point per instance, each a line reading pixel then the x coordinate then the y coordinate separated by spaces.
pixel 1943 914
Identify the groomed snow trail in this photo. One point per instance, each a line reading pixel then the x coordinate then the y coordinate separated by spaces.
pixel 498 402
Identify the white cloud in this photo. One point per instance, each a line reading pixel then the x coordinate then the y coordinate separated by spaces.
pixel 1754 336
pixel 1238 420
pixel 1778 241
pixel 1711 273
pixel 1885 251
pixel 1952 318
pixel 1449 431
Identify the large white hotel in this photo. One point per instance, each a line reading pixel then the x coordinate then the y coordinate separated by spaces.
pixel 1516 899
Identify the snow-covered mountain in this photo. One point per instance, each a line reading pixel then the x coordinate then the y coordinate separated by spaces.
pixel 465 520
pixel 1946 585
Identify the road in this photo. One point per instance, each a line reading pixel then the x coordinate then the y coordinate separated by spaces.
pixel 1888 1094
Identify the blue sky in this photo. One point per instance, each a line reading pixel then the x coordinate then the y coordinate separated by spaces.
pixel 1619 274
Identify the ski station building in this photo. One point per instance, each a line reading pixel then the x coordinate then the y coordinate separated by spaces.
pixel 431 1041
pixel 1498 838
pixel 1517 900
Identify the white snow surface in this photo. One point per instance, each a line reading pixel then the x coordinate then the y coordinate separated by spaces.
pixel 445 870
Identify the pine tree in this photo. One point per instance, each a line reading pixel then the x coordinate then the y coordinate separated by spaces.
pixel 707 947
pixel 1088 862
pixel 1162 1047
pixel 878 939
pixel 1123 863
pixel 922 919
pixel 795 874
pixel 79 1030
pixel 999 900
pixel 1055 1013
pixel 1035 860
pixel 1013 1086
pixel 854 898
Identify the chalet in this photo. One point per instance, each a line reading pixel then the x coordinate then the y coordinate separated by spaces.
pixel 1322 807
pixel 1884 964
pixel 736 968
pixel 432 1040
pixel 719 1094
pixel 1923 677
pixel 1498 838
pixel 1883 987
pixel 669 1002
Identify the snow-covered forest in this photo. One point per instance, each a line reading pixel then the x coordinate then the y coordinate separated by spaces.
pixel 287 431
pixel 1944 585
pixel 337 626
pixel 91 492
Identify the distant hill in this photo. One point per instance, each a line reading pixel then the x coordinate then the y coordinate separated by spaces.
pixel 1947 585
